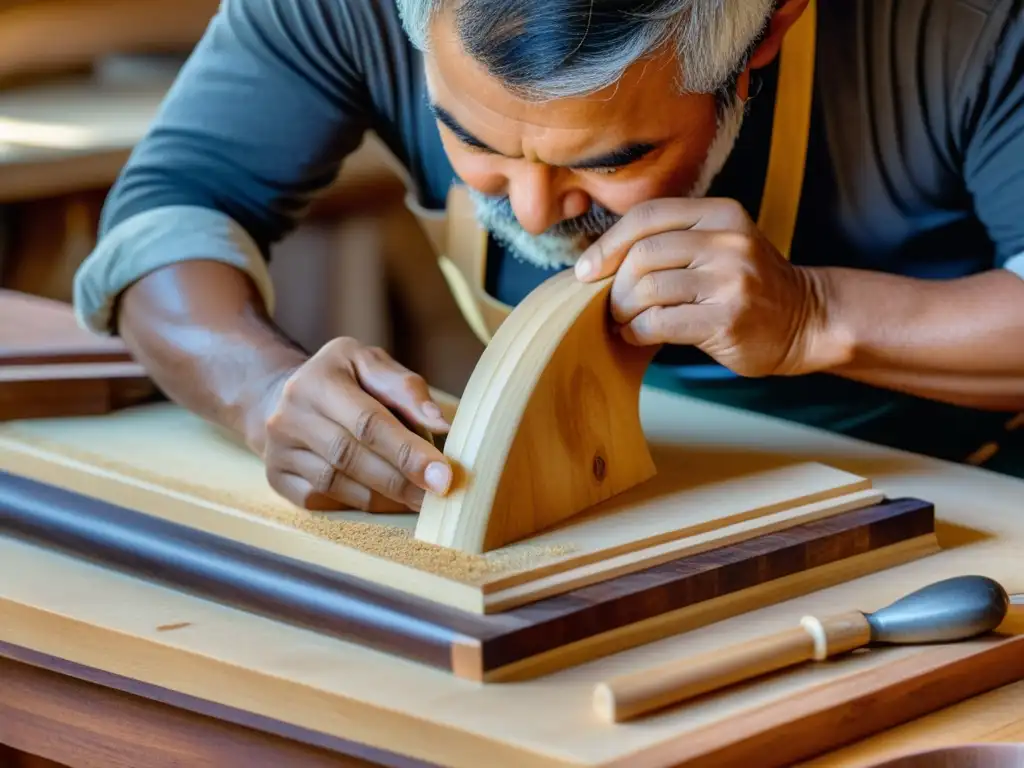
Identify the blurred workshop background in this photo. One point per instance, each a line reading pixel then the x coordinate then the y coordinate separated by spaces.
pixel 79 83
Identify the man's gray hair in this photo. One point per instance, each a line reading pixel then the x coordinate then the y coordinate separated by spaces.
pixel 565 48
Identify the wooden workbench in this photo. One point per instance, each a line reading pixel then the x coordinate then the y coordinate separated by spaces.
pixel 143 675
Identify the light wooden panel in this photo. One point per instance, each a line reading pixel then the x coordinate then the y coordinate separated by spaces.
pixel 117 459
pixel 96 617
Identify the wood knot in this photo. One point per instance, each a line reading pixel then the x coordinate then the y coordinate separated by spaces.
pixel 600 468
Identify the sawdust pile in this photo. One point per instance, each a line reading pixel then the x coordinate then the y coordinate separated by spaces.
pixel 384 540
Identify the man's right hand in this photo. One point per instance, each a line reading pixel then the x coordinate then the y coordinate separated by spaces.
pixel 325 426
pixel 331 439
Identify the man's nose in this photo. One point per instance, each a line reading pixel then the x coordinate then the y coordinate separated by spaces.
pixel 538 200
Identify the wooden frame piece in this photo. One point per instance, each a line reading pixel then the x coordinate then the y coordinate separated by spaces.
pixel 800 722
pixel 533 639
pixel 741 501
pixel 548 425
pixel 49 367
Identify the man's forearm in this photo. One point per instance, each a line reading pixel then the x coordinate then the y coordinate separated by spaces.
pixel 201 331
pixel 960 341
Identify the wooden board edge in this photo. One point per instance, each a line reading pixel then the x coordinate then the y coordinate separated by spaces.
pixel 467 659
pixel 178 507
pixel 163 672
pixel 153 725
pixel 883 697
pixel 718 609
pixel 631 562
pixel 855 484
pixel 149 498
pixel 72 373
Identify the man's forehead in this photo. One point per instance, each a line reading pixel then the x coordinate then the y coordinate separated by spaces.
pixel 456 80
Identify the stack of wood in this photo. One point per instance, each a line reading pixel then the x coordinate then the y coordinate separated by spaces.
pixel 50 367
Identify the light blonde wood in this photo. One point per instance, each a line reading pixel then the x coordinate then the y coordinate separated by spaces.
pixel 548 425
pixel 637 693
pixel 991 718
pixel 97 617
pixel 698 501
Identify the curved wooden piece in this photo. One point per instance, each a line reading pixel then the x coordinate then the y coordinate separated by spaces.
pixel 548 425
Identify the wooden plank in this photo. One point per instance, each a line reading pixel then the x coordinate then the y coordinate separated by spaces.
pixel 558 631
pixel 37 331
pixel 77 716
pixel 49 367
pixel 105 620
pixel 755 724
pixel 697 502
pixel 810 722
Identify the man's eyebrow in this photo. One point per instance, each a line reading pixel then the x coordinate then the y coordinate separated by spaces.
pixel 445 117
pixel 617 158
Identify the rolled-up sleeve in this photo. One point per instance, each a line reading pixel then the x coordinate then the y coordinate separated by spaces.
pixel 258 121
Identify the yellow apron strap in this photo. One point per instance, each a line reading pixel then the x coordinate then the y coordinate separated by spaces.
pixel 464 260
pixel 787 158
pixel 464 264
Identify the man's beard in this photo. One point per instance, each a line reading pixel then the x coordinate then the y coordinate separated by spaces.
pixel 563 243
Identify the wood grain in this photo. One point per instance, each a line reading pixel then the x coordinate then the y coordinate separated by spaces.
pixel 98 718
pixel 82 717
pixel 813 721
pixel 631 695
pixel 698 501
pixel 548 425
pixel 98 617
pixel 49 367
pixel 38 331
pixel 471 646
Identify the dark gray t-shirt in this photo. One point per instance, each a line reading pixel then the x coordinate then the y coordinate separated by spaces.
pixel 915 164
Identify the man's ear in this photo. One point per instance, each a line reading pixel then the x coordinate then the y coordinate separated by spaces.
pixel 786 15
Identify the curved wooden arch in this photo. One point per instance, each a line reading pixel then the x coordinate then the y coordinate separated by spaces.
pixel 548 425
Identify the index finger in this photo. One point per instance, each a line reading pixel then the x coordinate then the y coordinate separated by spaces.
pixel 604 257
pixel 377 428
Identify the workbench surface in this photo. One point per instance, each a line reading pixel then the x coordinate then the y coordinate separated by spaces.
pixel 288 688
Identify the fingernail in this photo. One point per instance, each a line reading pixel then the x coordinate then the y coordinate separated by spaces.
pixel 438 477
pixel 432 410
pixel 584 267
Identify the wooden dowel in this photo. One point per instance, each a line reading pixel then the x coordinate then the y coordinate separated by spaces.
pixel 627 696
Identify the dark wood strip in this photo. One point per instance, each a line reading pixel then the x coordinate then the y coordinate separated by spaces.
pixel 78 715
pixel 557 621
pixel 387 620
pixel 229 571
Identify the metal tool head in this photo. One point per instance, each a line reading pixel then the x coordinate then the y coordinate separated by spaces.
pixel 953 609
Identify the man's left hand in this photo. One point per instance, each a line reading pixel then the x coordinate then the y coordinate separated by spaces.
pixel 699 272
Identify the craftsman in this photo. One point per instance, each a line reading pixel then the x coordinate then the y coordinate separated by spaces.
pixel 659 141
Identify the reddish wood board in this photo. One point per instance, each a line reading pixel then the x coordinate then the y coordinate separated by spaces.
pixel 51 367
pixel 39 331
